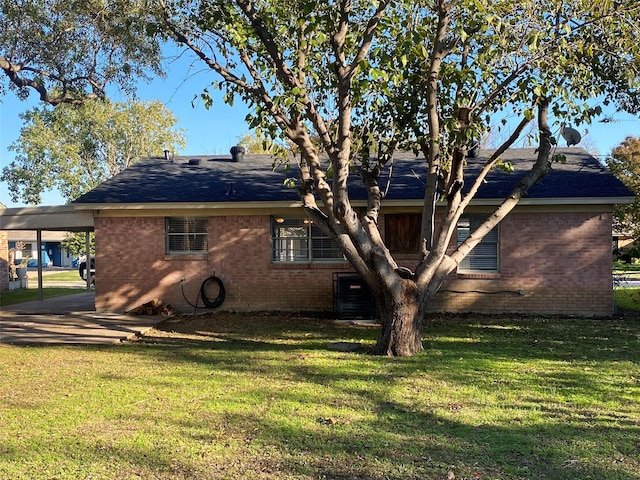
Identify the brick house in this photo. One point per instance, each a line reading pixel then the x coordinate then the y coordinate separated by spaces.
pixel 165 225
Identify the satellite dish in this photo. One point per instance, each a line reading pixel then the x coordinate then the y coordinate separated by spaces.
pixel 571 135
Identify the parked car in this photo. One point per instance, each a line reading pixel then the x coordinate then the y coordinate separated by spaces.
pixel 82 269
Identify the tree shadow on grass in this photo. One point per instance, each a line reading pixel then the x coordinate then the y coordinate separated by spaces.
pixel 422 445
pixel 336 415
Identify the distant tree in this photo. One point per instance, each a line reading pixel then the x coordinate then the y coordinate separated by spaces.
pixel 68 51
pixel 256 144
pixel 75 243
pixel 74 148
pixel 624 163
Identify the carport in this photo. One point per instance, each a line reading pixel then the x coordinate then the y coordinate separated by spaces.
pixel 48 218
pixel 68 319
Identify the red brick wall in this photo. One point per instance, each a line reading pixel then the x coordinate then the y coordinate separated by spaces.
pixel 132 268
pixel 562 261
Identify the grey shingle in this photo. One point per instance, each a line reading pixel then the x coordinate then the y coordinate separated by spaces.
pixel 219 179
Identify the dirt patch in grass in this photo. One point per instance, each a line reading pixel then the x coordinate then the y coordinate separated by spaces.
pixel 257 325
pixel 264 322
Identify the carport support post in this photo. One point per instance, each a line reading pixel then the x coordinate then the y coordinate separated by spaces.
pixel 87 268
pixel 39 256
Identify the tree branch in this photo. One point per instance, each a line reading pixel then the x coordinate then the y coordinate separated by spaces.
pixel 539 170
pixel 432 155
pixel 367 38
pixel 490 163
pixel 12 72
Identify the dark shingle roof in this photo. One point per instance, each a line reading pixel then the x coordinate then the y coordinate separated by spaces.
pixel 212 179
pixel 581 176
pixel 219 179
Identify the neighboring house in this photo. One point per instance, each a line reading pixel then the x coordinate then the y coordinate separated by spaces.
pixel 622 240
pixel 51 254
pixel 163 226
pixel 4 261
pixel 4 257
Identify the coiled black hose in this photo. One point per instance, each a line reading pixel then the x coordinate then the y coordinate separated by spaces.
pixel 215 303
pixel 202 294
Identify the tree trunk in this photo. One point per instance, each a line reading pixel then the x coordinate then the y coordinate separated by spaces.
pixel 400 315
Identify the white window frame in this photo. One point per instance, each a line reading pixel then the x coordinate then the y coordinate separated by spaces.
pixel 485 257
pixel 186 235
pixel 298 240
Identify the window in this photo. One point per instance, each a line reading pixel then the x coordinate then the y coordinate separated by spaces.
pixel 484 257
pixel 299 240
pixel 186 235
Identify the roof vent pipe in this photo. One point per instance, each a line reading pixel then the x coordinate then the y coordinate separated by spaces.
pixel 237 153
pixel 166 154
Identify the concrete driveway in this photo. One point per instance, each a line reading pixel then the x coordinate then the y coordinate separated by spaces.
pixel 69 319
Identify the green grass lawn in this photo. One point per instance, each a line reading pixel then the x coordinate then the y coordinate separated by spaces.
pixel 21 295
pixel 26 295
pixel 261 397
pixel 63 276
pixel 626 269
pixel 628 298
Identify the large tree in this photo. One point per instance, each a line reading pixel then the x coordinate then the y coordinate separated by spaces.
pixel 349 81
pixel 624 163
pixel 74 148
pixel 68 51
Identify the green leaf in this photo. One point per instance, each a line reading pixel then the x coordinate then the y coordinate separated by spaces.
pixel 506 167
pixel 308 8
pixel 290 182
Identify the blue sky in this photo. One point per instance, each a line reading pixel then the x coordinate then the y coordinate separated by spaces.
pixel 215 130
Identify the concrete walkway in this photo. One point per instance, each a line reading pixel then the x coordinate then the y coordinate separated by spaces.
pixel 70 319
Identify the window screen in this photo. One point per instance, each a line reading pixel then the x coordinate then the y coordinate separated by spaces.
pixel 290 240
pixel 484 257
pixel 186 234
pixel 299 240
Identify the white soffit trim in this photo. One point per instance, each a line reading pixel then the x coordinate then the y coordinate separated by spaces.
pixel 61 217
pixel 525 201
pixel 185 206
pixel 560 201
pixel 355 203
